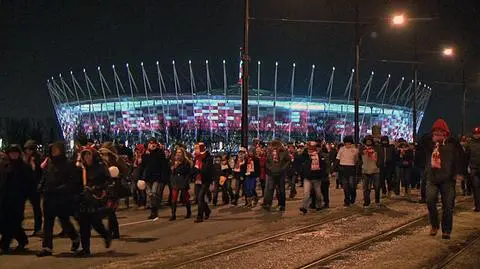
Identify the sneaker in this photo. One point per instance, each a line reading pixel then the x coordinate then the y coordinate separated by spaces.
pixel 303 210
pixel 476 210
pixel 446 236
pixel 153 216
pixel 433 231
pixel 44 253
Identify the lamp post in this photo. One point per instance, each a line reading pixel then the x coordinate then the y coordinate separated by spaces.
pixel 245 60
pixel 397 20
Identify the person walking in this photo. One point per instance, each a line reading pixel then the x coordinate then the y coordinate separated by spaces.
pixel 443 167
pixel 94 177
pixel 347 158
pixel 33 158
pixel 315 171
pixel 181 168
pixel 203 173
pixel 473 153
pixel 61 187
pixel 370 171
pixel 278 161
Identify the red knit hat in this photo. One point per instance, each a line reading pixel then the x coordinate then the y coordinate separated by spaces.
pixel 440 124
pixel 476 130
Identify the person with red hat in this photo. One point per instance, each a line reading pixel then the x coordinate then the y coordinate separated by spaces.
pixel 473 156
pixel 443 167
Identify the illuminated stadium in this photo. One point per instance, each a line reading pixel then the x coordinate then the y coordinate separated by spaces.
pixel 159 103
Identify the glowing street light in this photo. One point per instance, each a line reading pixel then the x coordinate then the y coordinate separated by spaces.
pixel 399 20
pixel 448 52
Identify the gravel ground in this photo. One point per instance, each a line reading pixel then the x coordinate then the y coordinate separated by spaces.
pixel 296 249
pixel 416 249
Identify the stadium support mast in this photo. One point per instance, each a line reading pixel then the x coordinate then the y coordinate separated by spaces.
pixel 245 59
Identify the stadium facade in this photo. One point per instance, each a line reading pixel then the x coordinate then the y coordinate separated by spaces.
pixel 122 107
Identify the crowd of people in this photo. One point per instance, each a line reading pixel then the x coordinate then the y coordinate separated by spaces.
pixel 88 185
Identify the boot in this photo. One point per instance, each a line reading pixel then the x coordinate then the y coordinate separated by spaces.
pixel 248 202
pixel 255 201
pixel 153 214
pixel 174 212
pixel 189 211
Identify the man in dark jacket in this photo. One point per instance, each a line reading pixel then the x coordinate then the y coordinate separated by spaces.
pixel 203 172
pixel 473 153
pixel 386 164
pixel 277 164
pixel 443 167
pixel 155 170
pixel 34 159
pixel 13 205
pixel 61 187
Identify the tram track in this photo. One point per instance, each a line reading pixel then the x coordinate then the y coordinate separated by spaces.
pixel 319 222
pixel 325 260
pixel 454 256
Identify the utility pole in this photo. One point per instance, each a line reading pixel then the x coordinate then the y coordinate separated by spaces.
pixel 357 74
pixel 245 60
pixel 415 81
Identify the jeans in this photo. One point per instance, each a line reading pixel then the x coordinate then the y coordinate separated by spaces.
pixel 423 184
pixel 237 187
pixel 250 187
pixel 447 193
pixel 349 184
pixel 203 208
pixel 307 188
pixel 275 182
pixel 475 176
pixel 368 180
pixel 87 221
pixel 154 194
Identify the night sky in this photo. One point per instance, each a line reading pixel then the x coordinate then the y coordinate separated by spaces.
pixel 38 40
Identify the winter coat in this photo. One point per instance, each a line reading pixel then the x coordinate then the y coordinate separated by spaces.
pixel 16 190
pixel 280 167
pixel 473 154
pixel 451 162
pixel 405 160
pixel 317 174
pixel 206 172
pixel 386 156
pixel 369 164
pixel 240 175
pixel 180 176
pixel 61 186
pixel 155 167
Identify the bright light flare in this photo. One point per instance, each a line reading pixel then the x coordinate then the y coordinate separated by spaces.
pixel 448 52
pixel 399 19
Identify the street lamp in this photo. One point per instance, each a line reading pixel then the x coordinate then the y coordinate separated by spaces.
pixel 448 52
pixel 398 20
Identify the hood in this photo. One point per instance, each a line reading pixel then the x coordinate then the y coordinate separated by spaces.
pixel 440 124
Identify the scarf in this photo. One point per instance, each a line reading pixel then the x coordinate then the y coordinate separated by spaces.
pixel 199 165
pixel 250 166
pixel 436 160
pixel 315 166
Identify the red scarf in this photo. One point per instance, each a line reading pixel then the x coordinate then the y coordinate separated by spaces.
pixel 199 164
pixel 436 160
pixel 315 166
